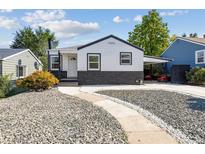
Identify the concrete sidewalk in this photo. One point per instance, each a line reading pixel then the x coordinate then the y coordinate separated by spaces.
pixel 138 129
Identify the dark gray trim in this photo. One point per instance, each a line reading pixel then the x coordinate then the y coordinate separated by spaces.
pixel 88 62
pixel 104 38
pixel 49 44
pixel 120 58
pixel 49 60
pixel 109 77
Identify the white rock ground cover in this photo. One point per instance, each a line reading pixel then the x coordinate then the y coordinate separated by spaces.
pixel 52 117
pixel 182 112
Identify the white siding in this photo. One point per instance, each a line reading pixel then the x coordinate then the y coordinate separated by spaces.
pixel 110 56
pixel 9 65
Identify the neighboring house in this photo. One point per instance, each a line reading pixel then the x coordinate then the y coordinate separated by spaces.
pixel 109 60
pixel 186 51
pixel 18 63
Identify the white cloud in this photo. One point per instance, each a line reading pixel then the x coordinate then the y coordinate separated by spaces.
pixel 138 18
pixel 6 10
pixel 118 19
pixel 173 13
pixel 43 15
pixel 69 28
pixel 8 23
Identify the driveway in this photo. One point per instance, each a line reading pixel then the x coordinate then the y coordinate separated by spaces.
pixel 184 89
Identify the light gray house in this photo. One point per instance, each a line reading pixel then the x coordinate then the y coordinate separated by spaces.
pixel 109 60
pixel 18 63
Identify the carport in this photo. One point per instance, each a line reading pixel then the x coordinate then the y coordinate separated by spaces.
pixel 152 63
pixel 150 60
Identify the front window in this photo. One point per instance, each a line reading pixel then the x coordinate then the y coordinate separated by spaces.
pixel 93 61
pixel 200 56
pixel 20 71
pixel 125 58
pixel 54 62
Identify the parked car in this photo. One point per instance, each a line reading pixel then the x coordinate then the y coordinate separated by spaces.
pixel 163 78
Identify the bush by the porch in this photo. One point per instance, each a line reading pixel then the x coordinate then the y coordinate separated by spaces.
pixel 37 81
pixel 196 75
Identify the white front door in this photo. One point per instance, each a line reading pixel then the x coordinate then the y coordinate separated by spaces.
pixel 72 67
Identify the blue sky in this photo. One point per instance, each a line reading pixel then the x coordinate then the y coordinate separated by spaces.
pixel 81 26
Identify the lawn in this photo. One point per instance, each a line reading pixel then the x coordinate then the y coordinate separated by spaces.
pixel 182 112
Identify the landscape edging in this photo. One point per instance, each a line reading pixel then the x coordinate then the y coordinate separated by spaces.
pixel 177 134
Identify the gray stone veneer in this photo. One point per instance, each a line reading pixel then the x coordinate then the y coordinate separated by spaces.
pixel 109 77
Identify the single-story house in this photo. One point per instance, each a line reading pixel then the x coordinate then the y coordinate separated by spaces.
pixel 18 63
pixel 186 53
pixel 109 60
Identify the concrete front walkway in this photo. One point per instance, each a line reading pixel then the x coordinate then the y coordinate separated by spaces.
pixel 137 127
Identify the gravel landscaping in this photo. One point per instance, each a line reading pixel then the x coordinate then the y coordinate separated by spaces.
pixel 52 117
pixel 182 112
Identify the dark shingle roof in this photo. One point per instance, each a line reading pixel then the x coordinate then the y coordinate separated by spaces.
pixel 104 38
pixel 8 52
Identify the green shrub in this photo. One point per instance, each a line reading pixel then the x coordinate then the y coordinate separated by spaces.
pixel 5 85
pixel 196 75
pixel 39 80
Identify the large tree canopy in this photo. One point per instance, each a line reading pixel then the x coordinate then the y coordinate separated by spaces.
pixel 152 34
pixel 36 40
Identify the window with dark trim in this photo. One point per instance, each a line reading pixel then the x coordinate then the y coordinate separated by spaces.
pixel 54 60
pixel 125 58
pixel 93 61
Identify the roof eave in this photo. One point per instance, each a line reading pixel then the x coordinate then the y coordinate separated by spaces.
pixel 104 38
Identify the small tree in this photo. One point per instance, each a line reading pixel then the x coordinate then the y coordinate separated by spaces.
pixel 184 35
pixel 192 35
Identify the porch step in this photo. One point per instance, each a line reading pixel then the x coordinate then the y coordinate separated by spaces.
pixel 69 80
pixel 71 84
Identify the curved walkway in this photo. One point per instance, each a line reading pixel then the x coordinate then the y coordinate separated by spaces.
pixel 137 127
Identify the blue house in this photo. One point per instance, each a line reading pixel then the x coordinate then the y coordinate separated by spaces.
pixel 185 51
